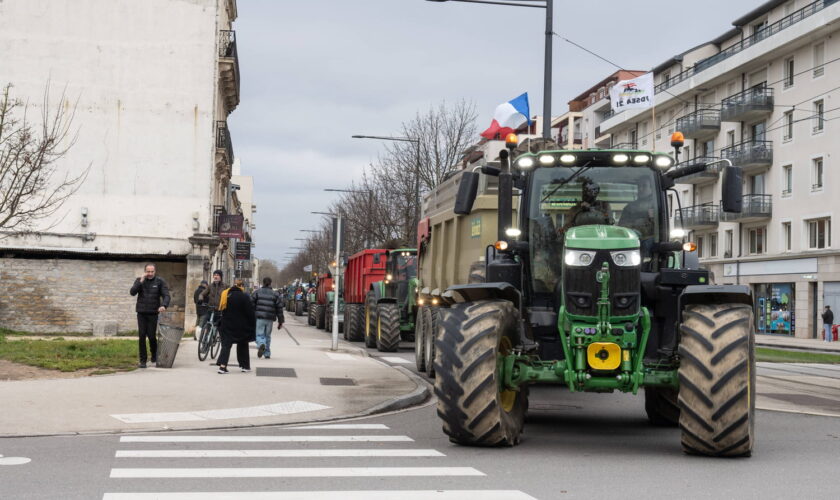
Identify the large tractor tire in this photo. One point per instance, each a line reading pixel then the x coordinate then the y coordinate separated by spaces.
pixel 354 324
pixel 420 339
pixel 661 406
pixel 432 327
pixel 387 327
pixel 310 317
pixel 369 325
pixel 717 380
pixel 298 308
pixel 473 408
pixel 319 314
pixel 328 322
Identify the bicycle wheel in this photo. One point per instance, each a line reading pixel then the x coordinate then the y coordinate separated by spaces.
pixel 217 344
pixel 204 342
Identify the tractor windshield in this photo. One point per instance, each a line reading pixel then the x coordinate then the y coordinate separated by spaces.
pixel 406 268
pixel 562 198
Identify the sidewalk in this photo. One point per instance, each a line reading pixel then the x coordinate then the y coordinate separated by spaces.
pixel 288 388
pixel 786 342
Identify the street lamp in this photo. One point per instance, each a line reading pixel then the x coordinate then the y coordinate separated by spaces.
pixel 548 5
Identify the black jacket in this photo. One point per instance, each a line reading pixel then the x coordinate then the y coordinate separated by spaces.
pixel 151 294
pixel 239 324
pixel 828 317
pixel 215 294
pixel 268 304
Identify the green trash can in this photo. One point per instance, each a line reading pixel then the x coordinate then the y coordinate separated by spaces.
pixel 169 338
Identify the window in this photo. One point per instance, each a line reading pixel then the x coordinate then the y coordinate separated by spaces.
pixel 819 59
pixel 727 243
pixel 670 205
pixel 787 126
pixel 819 233
pixel 601 93
pixel 758 240
pixel 786 236
pixel 643 133
pixel 758 29
pixel 787 180
pixel 789 72
pixel 709 148
pixel 666 76
pixel 817 174
pixel 819 116
pixel 713 245
pixel 699 246
pixel 730 138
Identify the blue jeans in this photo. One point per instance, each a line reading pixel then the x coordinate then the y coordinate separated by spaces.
pixel 264 334
pixel 827 329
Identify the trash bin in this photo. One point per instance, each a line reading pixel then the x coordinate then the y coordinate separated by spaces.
pixel 169 338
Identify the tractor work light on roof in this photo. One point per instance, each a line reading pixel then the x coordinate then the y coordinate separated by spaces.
pixel 567 159
pixel 664 162
pixel 513 232
pixel 641 159
pixel 678 233
pixel 525 163
pixel 620 159
pixel 546 160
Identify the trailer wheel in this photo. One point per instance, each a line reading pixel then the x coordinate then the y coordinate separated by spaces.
pixel 353 326
pixel 717 380
pixel 473 408
pixel 420 339
pixel 432 327
pixel 298 308
pixel 370 320
pixel 661 406
pixel 387 327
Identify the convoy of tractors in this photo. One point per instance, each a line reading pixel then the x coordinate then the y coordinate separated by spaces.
pixel 557 267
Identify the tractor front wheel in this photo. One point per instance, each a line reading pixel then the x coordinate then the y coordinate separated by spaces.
pixel 717 380
pixel 420 339
pixel 432 326
pixel 387 327
pixel 474 408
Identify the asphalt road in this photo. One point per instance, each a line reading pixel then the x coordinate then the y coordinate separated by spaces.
pixel 574 446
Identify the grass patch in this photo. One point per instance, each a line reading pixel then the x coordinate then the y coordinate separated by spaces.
pixel 781 356
pixel 72 355
pixel 15 333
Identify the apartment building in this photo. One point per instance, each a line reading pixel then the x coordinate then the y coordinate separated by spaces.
pixel 760 95
pixel 153 83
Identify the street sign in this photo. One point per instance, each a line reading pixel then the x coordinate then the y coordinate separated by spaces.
pixel 243 250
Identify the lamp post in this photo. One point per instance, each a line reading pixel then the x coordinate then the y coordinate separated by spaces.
pixel 548 5
pixel 370 207
pixel 416 168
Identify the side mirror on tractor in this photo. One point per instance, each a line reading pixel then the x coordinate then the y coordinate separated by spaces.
pixel 467 191
pixel 731 190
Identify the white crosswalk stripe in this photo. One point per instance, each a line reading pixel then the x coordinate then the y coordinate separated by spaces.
pixel 258 439
pixel 223 472
pixel 274 453
pixel 324 495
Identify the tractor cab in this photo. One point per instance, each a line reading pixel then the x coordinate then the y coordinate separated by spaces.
pixel 400 278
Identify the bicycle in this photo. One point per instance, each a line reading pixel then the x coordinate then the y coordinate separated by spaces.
pixel 210 340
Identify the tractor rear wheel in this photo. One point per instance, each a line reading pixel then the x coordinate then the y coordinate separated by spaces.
pixel 387 327
pixel 474 409
pixel 354 326
pixel 661 406
pixel 370 320
pixel 298 308
pixel 432 326
pixel 717 380
pixel 319 316
pixel 420 339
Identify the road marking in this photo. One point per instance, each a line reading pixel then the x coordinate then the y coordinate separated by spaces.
pixel 395 359
pixel 254 472
pixel 339 356
pixel 285 408
pixel 261 439
pixel 341 426
pixel 276 453
pixel 321 495
pixel 14 460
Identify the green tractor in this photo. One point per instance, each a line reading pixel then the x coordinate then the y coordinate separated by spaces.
pixel 392 301
pixel 588 291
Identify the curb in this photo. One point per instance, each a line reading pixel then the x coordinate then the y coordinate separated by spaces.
pixel 796 348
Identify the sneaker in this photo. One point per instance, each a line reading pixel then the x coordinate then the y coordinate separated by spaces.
pixel 141 365
pixel 268 357
pixel 222 370
pixel 154 360
pixel 246 370
pixel 261 351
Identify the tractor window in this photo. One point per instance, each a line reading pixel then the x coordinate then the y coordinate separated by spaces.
pixel 403 267
pixel 562 198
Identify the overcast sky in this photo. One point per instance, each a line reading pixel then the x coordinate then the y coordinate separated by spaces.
pixel 315 72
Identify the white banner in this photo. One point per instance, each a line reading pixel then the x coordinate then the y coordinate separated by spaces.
pixel 308 268
pixel 635 93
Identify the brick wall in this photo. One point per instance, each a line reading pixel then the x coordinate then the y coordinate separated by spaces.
pixel 68 295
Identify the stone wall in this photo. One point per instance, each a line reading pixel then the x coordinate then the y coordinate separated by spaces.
pixel 69 295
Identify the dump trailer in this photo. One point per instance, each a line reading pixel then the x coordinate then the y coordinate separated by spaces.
pixel 363 269
pixel 586 290
pixel 391 303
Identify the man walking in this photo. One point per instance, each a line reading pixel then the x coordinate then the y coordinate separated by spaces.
pixel 268 306
pixel 152 299
pixel 828 320
pixel 214 293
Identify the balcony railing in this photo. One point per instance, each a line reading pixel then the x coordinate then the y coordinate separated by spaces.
pixel 218 210
pixel 229 55
pixel 751 104
pixel 700 124
pixel 710 174
pixel 698 216
pixel 223 141
pixel 760 35
pixel 625 145
pixel 750 155
pixel 755 207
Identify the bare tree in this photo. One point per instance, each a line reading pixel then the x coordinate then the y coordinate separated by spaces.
pixel 32 186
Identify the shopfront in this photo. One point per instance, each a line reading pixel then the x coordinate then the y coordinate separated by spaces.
pixel 775 308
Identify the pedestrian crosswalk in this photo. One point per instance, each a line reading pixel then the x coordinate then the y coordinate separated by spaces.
pixel 293 463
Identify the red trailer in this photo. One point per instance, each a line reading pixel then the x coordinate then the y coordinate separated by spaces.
pixel 363 269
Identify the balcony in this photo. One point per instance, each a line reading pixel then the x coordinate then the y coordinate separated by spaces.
pixel 701 124
pixel 756 207
pixel 749 105
pixel 710 175
pixel 751 156
pixel 698 217
pixel 224 151
pixel 228 69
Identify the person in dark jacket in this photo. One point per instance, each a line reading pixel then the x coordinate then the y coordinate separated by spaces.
pixel 201 297
pixel 269 306
pixel 239 326
pixel 152 299
pixel 828 320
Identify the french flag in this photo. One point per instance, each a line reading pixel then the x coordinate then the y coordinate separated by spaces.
pixel 508 117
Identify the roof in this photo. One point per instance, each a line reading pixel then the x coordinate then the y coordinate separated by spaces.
pixel 726 36
pixel 758 11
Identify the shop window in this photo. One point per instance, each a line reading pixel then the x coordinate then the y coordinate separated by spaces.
pixel 819 233
pixel 775 308
pixel 758 240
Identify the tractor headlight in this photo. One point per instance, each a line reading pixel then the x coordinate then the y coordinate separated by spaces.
pixel 664 162
pixel 626 258
pixel 525 163
pixel 580 258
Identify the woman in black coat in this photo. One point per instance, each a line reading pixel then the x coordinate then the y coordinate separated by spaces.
pixel 239 326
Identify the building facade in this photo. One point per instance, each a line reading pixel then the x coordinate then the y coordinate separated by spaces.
pixel 759 95
pixel 153 83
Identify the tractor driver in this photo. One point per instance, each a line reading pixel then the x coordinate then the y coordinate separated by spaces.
pixel 589 210
pixel 639 215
